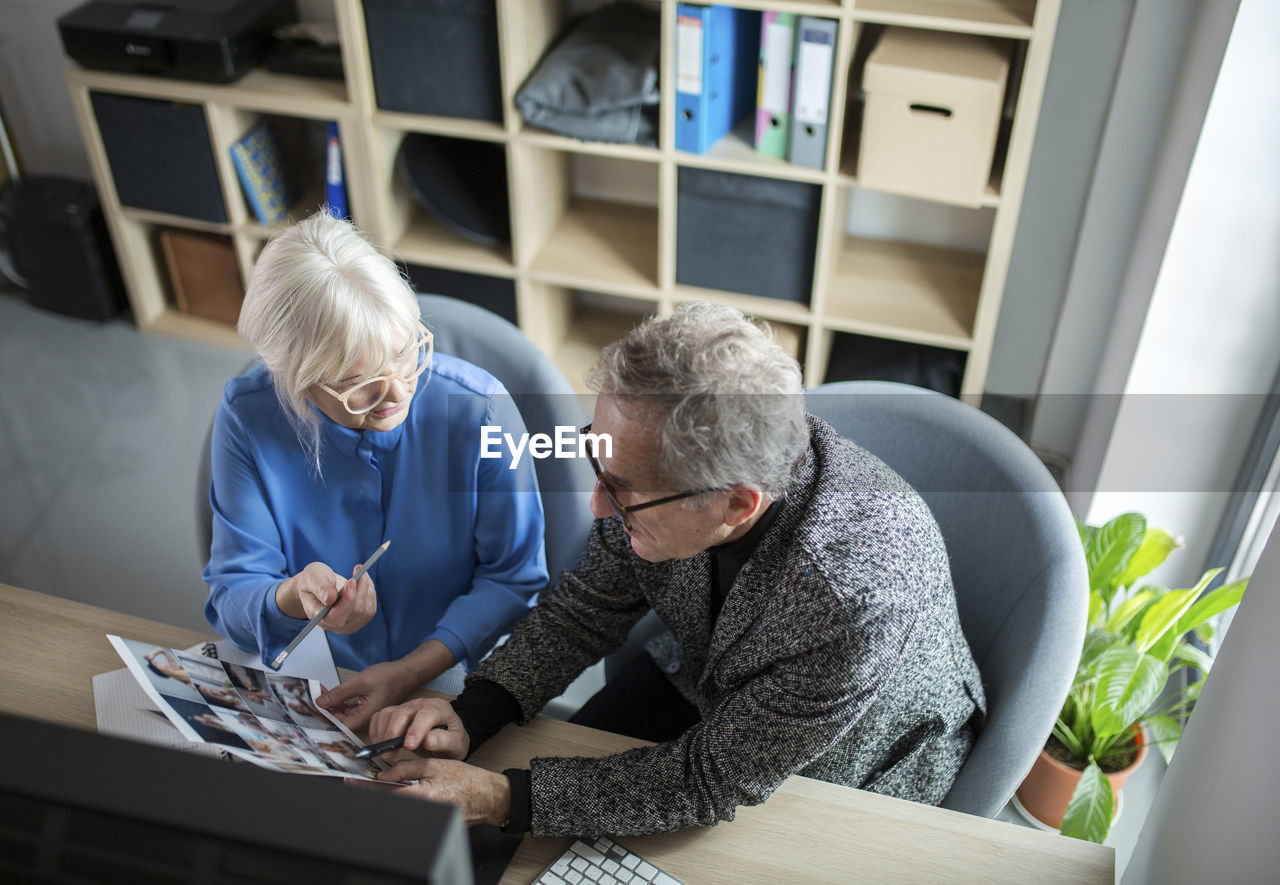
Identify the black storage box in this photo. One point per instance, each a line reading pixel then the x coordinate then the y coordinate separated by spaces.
pixel 435 57
pixel 59 244
pixel 215 41
pixel 494 294
pixel 160 155
pixel 743 233
pixel 863 358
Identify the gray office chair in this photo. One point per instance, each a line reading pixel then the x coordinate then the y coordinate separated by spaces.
pixel 1021 582
pixel 545 398
pixel 1020 576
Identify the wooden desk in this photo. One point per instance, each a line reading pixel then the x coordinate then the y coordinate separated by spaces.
pixel 807 831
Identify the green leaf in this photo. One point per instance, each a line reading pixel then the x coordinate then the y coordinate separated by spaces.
pixel 1157 544
pixel 1096 608
pixel 1213 603
pixel 1160 622
pixel 1130 609
pixel 1062 731
pixel 1128 684
pixel 1192 694
pixel 1164 732
pixel 1091 807
pixel 1194 656
pixel 1096 641
pixel 1109 550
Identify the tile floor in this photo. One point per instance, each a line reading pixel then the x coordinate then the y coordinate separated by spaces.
pixel 100 432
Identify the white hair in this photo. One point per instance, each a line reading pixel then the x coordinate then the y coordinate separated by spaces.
pixel 725 397
pixel 320 299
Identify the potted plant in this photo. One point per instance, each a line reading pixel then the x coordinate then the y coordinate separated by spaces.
pixel 1137 637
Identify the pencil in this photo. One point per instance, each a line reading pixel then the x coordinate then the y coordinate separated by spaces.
pixel 324 612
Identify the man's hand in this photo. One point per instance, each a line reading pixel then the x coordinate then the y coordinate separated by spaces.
pixel 484 797
pixel 417 720
pixel 305 594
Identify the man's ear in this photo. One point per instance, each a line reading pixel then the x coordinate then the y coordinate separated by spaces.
pixel 745 501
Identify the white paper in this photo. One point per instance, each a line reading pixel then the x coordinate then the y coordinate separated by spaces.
pixel 775 91
pixel 689 55
pixel 813 77
pixel 312 659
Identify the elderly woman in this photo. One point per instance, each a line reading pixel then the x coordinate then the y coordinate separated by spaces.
pixel 351 432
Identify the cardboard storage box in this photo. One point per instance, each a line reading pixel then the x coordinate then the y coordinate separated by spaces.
pixel 204 274
pixel 932 112
pixel 743 233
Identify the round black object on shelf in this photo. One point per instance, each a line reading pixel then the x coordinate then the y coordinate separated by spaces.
pixel 462 183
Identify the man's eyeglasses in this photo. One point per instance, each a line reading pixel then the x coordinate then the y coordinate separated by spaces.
pixel 364 396
pixel 624 511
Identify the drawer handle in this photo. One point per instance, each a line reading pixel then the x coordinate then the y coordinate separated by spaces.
pixel 931 109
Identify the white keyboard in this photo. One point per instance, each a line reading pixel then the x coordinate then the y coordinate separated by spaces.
pixel 604 862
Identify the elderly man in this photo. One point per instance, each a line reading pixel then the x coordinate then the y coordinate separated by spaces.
pixel 813 626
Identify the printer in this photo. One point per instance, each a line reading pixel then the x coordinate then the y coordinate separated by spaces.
pixel 215 41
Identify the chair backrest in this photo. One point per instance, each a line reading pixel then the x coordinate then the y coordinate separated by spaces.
pixel 540 390
pixel 1016 560
pixel 546 401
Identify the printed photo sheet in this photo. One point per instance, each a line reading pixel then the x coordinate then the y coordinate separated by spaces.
pixel 267 718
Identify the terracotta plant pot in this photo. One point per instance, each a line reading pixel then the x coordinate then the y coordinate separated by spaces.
pixel 1047 789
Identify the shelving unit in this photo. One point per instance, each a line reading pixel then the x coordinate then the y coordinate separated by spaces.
pixel 586 267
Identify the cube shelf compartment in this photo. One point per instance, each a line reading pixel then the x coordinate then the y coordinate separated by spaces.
pixel 583 263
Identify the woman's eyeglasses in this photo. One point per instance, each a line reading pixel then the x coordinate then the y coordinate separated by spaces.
pixel 364 396
pixel 624 511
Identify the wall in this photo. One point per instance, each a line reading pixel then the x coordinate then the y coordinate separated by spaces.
pixel 33 92
pixel 1214 816
pixel 1090 39
pixel 1205 347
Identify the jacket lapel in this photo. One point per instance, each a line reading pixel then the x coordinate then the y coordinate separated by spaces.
pixel 680 592
pixel 762 575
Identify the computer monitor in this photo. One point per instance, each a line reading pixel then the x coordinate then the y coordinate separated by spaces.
pixel 76 806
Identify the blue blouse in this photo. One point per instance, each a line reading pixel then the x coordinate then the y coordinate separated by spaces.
pixel 466 555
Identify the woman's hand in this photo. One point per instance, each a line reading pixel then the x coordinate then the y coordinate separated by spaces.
pixel 377 686
pixel 356 700
pixel 305 594
pixel 483 796
pixel 419 720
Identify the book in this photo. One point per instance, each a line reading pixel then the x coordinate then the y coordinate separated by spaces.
pixel 716 64
pixel 811 96
pixel 335 181
pixel 773 95
pixel 239 710
pixel 264 173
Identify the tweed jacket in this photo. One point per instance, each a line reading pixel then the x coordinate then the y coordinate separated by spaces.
pixel 837 655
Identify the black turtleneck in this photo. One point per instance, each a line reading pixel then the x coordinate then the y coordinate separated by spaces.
pixel 728 559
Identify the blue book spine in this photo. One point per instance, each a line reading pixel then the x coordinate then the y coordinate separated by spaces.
pixel 717 48
pixel 691 86
pixel 335 185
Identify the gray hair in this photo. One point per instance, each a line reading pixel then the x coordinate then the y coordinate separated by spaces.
pixel 725 396
pixel 320 299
